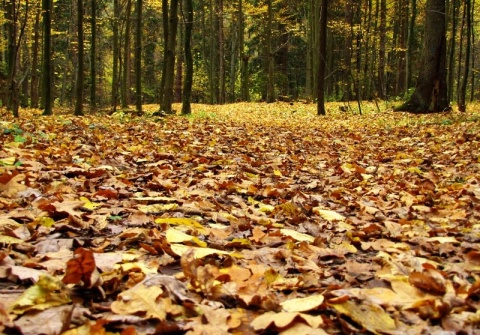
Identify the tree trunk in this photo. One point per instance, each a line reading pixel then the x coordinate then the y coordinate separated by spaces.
pixel 12 96
pixel 188 82
pixel 400 87
pixel 126 57
pixel 166 36
pixel 115 54
pixel 167 100
pixel 93 54
pixel 410 43
pixel 138 56
pixel 451 54
pixel 221 53
pixel 177 86
pixel 80 60
pixel 35 71
pixel 244 89
pixel 269 55
pixel 430 93
pixel 47 65
pixel 382 86
pixel 322 58
pixel 462 105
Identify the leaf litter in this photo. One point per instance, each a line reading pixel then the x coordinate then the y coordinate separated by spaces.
pixel 245 218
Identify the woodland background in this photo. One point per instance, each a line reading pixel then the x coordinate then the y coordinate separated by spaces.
pixel 242 50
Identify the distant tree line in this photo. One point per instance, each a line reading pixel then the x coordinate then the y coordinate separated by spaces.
pixel 132 52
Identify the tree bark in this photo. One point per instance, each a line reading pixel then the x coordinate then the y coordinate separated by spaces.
pixel 167 100
pixel 382 85
pixel 322 58
pixel 244 89
pixel 35 71
pixel 188 82
pixel 269 54
pixel 430 93
pixel 138 56
pixel 93 53
pixel 410 40
pixel 47 51
pixel 126 57
pixel 462 105
pixel 80 60
pixel 221 53
pixel 115 54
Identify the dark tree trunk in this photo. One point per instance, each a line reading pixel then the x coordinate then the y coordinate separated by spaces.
pixel 188 82
pixel 269 54
pixel 166 35
pixel 322 55
pixel 244 90
pixel 462 105
pixel 167 100
pixel 138 56
pixel 35 71
pixel 80 60
pixel 47 65
pixel 93 52
pixel 126 57
pixel 115 54
pixel 430 93
pixel 221 53
pixel 382 82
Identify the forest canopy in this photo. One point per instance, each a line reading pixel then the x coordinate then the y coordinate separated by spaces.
pixel 242 50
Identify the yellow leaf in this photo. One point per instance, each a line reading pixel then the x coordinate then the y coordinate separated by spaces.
pixel 90 205
pixel 180 249
pixel 277 173
pixel 372 317
pixel 328 214
pixel 134 267
pixel 47 292
pixel 176 236
pixel 47 222
pixel 296 235
pixel 141 300
pixel 415 169
pixel 9 240
pixel 7 161
pixel 180 222
pixel 302 304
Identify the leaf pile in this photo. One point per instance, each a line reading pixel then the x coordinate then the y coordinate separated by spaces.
pixel 246 218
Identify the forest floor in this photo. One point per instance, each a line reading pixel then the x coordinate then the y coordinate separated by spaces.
pixel 240 219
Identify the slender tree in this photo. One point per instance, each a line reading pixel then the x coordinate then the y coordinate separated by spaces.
pixel 166 36
pixel 430 93
pixel 269 54
pixel 35 70
pixel 462 105
pixel 322 55
pixel 188 82
pixel 115 54
pixel 221 56
pixel 138 56
pixel 93 53
pixel 80 60
pixel 126 57
pixel 47 51
pixel 244 81
pixel 410 42
pixel 169 74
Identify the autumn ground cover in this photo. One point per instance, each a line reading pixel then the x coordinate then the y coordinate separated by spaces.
pixel 244 218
